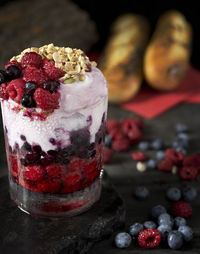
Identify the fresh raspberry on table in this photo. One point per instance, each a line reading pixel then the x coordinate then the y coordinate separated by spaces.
pixel 3 92
pixel 48 186
pixel 112 125
pixel 32 74
pixel 14 62
pixel 139 122
pixel 131 130
pixel 149 238
pixel 139 156
pixel 192 160
pixel 107 155
pixel 45 100
pixel 121 144
pixel 54 170
pixel 51 71
pixel 116 134
pixel 15 89
pixel 174 156
pixel 31 59
pixel 34 173
pixel 181 209
pixel 165 165
pixel 188 173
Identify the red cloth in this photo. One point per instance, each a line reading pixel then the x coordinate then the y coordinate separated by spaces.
pixel 150 103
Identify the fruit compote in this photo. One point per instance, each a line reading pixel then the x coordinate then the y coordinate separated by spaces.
pixel 54 107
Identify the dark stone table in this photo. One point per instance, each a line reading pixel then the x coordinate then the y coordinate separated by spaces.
pixel 125 176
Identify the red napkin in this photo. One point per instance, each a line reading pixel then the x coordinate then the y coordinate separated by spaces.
pixel 150 103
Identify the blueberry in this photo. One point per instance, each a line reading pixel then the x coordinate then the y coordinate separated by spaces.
pixel 51 85
pixel 180 127
pixel 175 239
pixel 186 232
pixel 183 136
pixel 30 88
pixel 143 146
pixel 123 240
pixel 158 210
pixel 13 72
pixel 160 155
pixel 181 149
pixel 3 76
pixel 189 193
pixel 165 219
pixel 135 229
pixel 151 163
pixel 179 221
pixel 27 101
pixel 157 144
pixel 174 194
pixel 179 143
pixel 141 193
pixel 164 230
pixel 108 141
pixel 150 224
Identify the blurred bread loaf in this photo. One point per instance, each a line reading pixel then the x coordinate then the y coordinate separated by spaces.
pixel 167 56
pixel 123 56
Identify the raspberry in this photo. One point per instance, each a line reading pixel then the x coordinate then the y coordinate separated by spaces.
pixel 14 166
pixel 111 125
pixel 48 186
pixel 139 156
pixel 71 183
pixel 90 168
pixel 26 184
pixel 174 156
pixel 107 155
pixel 192 160
pixel 116 134
pixel 139 122
pixel 76 164
pixel 52 72
pixel 131 130
pixel 45 100
pixel 121 145
pixel 3 92
pixel 34 75
pixel 181 209
pixel 14 62
pixel 165 165
pixel 15 89
pixel 149 238
pixel 31 59
pixel 34 173
pixel 53 170
pixel 188 173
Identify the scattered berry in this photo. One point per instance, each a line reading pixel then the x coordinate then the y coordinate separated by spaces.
pixel 121 144
pixel 111 125
pixel 123 240
pixel 52 72
pixel 188 173
pixel 175 240
pixel 179 221
pixel 27 101
pixel 189 194
pixel 149 238
pixel 30 88
pixel 180 143
pixel 186 232
pixel 131 130
pixel 192 160
pixel 183 136
pixel 46 100
pixel 174 194
pixel 160 155
pixel 158 210
pixel 108 141
pixel 150 224
pixel 34 75
pixel 151 163
pixel 181 209
pixel 139 122
pixel 141 193
pixel 31 59
pixel 165 165
pixel 157 144
pixel 3 92
pixel 139 156
pixel 135 229
pixel 180 127
pixel 51 86
pixel 15 89
pixel 164 229
pixel 174 156
pixel 14 62
pixel 165 219
pixel 143 146
pixel 107 155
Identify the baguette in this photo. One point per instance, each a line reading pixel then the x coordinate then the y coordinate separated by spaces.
pixel 168 54
pixel 122 59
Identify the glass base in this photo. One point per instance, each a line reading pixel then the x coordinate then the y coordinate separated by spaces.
pixel 55 205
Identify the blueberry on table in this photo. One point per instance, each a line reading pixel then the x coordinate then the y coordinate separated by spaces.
pixel 157 144
pixel 143 145
pixel 175 240
pixel 160 155
pixel 183 136
pixel 165 219
pixel 135 229
pixel 189 193
pixel 187 233
pixel 180 127
pixel 13 72
pixel 150 224
pixel 108 141
pixel 157 210
pixel 141 193
pixel 174 194
pixel 151 163
pixel 179 221
pixel 123 240
pixel 164 230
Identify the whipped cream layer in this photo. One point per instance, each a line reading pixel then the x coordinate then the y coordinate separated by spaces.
pixel 82 104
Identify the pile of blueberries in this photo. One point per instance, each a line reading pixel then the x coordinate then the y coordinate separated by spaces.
pixel 163 228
